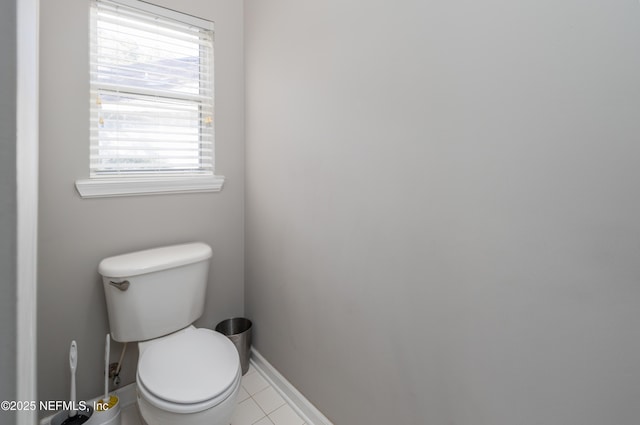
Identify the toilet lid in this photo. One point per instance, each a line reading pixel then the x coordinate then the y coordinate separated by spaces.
pixel 189 367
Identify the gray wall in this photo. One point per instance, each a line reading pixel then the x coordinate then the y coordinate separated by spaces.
pixel 442 221
pixel 75 234
pixel 7 205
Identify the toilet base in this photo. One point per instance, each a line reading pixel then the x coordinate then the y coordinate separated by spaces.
pixel 219 414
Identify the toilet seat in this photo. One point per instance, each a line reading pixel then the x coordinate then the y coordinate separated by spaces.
pixel 189 371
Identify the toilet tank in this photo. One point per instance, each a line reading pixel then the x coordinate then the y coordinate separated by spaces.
pixel 155 292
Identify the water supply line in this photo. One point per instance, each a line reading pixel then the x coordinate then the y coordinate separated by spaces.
pixel 116 374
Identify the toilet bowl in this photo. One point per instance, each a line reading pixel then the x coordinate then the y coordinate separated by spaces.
pixel 185 375
pixel 191 377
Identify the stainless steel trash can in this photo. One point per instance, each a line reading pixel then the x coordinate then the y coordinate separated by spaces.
pixel 238 330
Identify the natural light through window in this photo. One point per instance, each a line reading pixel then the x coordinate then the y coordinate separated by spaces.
pixel 151 97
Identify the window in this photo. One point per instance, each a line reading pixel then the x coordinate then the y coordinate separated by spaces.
pixel 151 101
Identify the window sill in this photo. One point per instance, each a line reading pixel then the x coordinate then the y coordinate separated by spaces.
pixel 110 187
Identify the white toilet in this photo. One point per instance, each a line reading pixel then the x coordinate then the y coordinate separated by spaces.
pixel 185 375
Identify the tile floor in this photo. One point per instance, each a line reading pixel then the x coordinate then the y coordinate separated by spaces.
pixel 258 404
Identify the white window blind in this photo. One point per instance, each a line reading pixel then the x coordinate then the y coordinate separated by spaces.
pixel 151 78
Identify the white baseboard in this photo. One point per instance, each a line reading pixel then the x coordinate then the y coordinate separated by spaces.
pixel 296 400
pixel 126 396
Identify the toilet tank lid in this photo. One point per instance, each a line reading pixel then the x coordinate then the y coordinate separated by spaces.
pixel 152 260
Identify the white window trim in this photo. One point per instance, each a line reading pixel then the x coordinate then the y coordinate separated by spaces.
pixel 167 13
pixel 109 187
pixel 152 185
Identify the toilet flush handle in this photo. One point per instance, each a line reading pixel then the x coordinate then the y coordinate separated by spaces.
pixel 123 286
